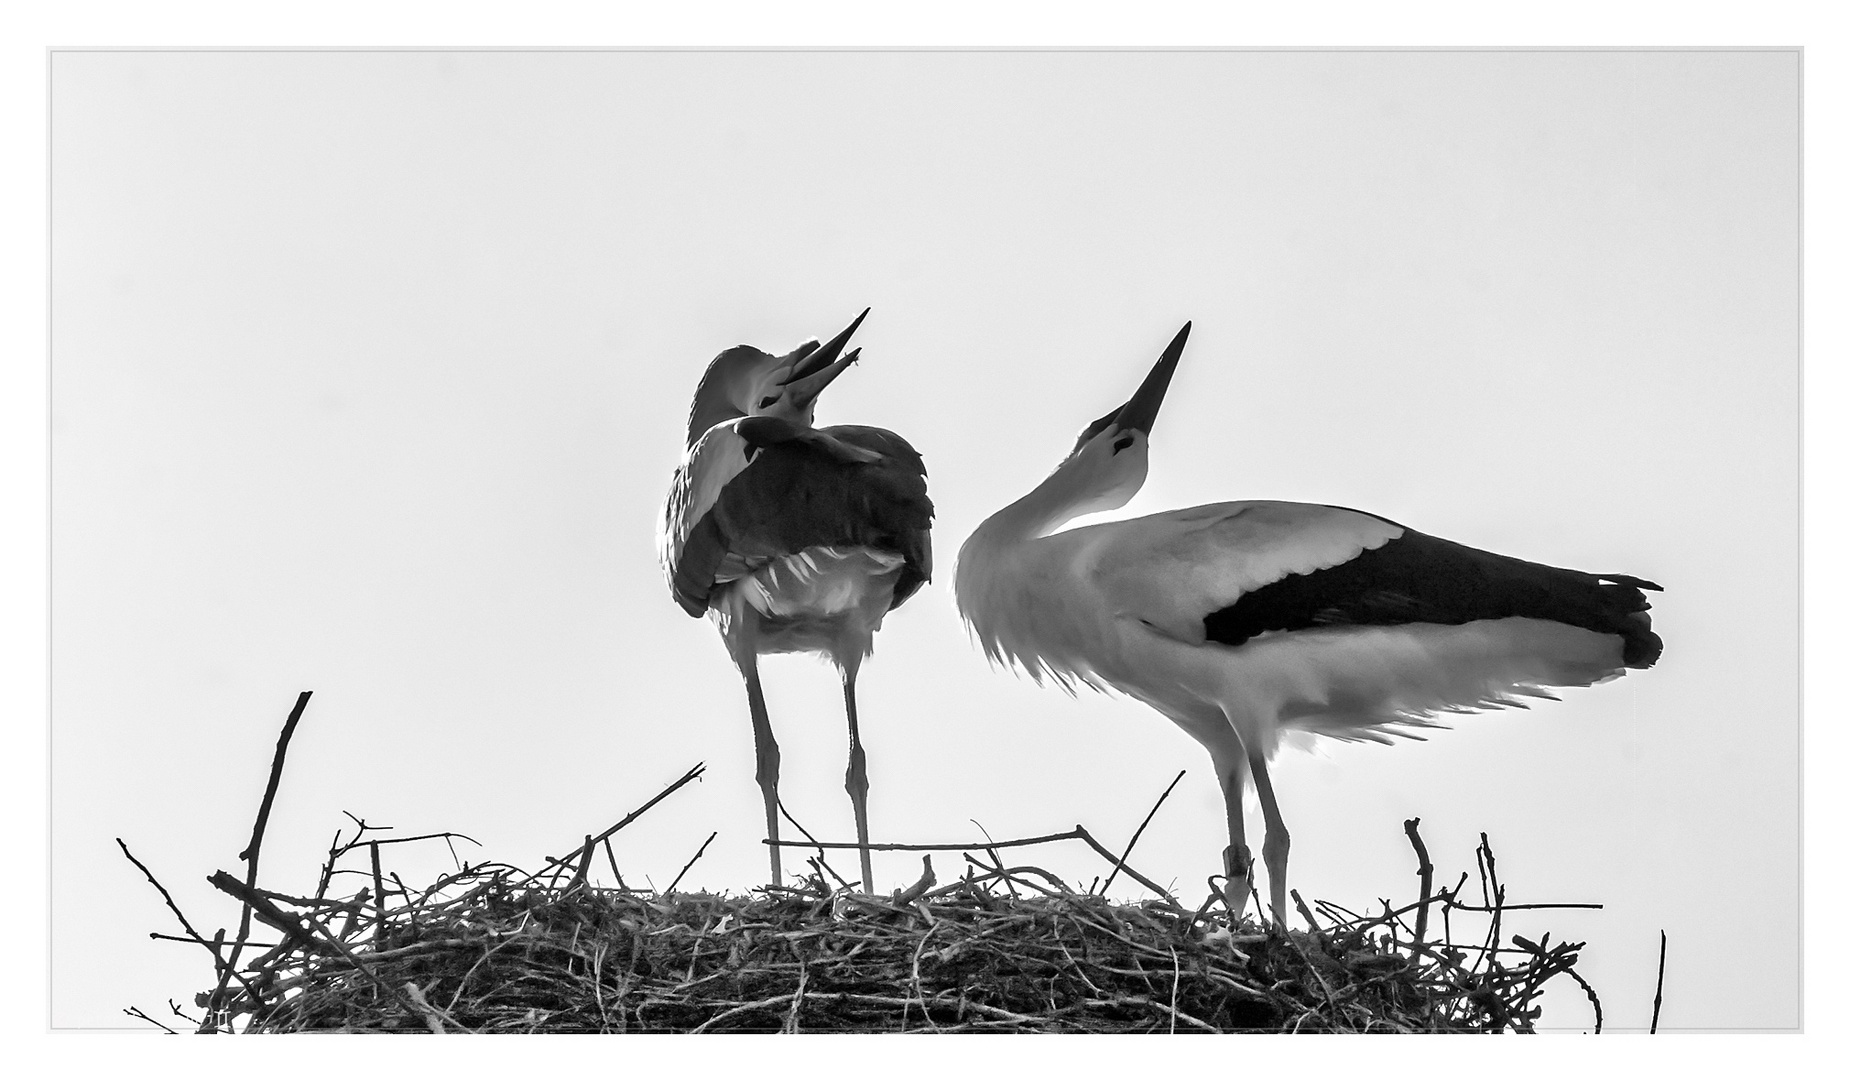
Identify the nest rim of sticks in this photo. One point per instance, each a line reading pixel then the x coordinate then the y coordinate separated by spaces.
pixel 1002 948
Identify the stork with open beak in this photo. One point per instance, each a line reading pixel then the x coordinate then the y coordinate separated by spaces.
pixel 793 538
pixel 1242 620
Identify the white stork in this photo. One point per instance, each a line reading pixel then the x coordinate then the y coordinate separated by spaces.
pixel 1242 620
pixel 793 538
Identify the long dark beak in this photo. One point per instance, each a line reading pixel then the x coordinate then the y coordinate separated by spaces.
pixel 810 374
pixel 824 354
pixel 1139 413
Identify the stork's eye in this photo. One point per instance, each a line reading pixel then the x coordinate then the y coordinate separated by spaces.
pixel 768 402
pixel 1123 443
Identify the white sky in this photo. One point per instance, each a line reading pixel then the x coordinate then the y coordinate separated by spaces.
pixel 369 372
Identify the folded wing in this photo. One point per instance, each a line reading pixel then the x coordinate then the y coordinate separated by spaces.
pixel 798 488
pixel 1230 572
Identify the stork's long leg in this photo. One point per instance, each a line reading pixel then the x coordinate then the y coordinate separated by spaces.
pixel 741 634
pixel 857 770
pixel 1230 768
pixel 1277 838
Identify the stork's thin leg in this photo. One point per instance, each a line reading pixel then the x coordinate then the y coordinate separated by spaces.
pixel 1277 838
pixel 1231 769
pixel 742 640
pixel 857 773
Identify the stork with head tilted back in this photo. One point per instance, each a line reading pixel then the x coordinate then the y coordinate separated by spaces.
pixel 793 538
pixel 1242 620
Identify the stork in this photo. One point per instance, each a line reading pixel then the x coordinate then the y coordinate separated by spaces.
pixel 1241 621
pixel 793 538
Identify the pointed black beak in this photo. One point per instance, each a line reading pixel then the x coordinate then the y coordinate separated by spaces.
pixel 824 354
pixel 812 373
pixel 1139 413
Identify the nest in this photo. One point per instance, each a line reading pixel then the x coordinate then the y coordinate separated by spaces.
pixel 1008 948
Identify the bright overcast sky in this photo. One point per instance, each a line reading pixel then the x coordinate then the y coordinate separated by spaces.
pixel 370 370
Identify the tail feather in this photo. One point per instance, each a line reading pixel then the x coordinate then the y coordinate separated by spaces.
pixel 1379 683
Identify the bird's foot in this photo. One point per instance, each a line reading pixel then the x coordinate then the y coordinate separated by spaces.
pixel 1236 892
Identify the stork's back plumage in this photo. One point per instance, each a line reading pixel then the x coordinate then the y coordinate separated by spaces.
pixel 805 488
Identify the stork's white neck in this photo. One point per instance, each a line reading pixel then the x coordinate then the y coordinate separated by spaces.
pixel 1013 576
pixel 1072 491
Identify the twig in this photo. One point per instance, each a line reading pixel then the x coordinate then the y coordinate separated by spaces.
pixel 139 1015
pixel 980 845
pixel 690 863
pixel 327 868
pixel 1412 825
pixel 612 856
pixel 218 957
pixel 1006 878
pixel 1080 832
pixel 305 926
pixel 378 899
pixel 1657 1003
pixel 796 1001
pixel 918 888
pixel 583 873
pixel 1599 1014
pixel 433 1016
pixel 250 853
pixel 821 859
pixel 1109 878
pixel 426 836
pixel 1304 910
pixel 692 774
pixel 1175 961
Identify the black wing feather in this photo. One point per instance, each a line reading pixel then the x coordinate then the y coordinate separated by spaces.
pixel 1417 578
pixel 800 490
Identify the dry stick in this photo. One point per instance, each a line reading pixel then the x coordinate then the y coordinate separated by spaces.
pixel 1006 878
pixel 1657 1003
pixel 249 854
pixel 427 836
pixel 1175 961
pixel 1134 837
pixel 690 864
pixel 979 846
pixel 171 1004
pixel 1522 907
pixel 139 1015
pixel 636 813
pixel 156 935
pixel 612 856
pixel 1078 832
pixel 821 860
pixel 327 868
pixel 433 1016
pixel 583 873
pixel 305 927
pixel 1599 1015
pixel 218 957
pixel 1412 826
pixel 1304 910
pixel 378 899
pixel 796 1003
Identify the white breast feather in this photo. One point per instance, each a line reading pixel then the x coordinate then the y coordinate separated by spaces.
pixel 1021 604
pixel 820 581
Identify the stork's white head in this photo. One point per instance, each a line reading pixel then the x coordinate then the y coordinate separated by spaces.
pixel 1112 455
pixel 747 381
pixel 1000 597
